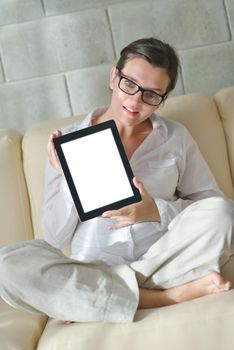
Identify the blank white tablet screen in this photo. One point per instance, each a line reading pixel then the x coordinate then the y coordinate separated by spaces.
pixel 97 170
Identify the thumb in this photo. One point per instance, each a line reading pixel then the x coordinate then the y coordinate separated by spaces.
pixel 139 185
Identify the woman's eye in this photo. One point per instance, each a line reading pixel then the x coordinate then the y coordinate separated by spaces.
pixel 129 84
pixel 150 95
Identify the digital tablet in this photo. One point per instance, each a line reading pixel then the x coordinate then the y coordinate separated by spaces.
pixel 97 169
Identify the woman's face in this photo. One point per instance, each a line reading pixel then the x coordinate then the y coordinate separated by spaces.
pixel 130 110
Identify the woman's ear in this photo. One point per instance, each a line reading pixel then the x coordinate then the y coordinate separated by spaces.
pixel 112 77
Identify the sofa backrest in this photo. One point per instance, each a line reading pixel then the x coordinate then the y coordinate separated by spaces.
pixel 201 117
pixel 34 159
pixel 197 112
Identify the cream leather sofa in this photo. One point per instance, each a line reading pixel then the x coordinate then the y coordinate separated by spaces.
pixel 205 323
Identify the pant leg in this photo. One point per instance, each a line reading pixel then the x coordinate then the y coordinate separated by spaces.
pixel 38 277
pixel 199 240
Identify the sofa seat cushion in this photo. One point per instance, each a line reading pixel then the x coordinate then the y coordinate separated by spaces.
pixel 203 323
pixel 19 330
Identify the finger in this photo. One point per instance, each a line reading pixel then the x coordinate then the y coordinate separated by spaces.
pixel 50 145
pixel 112 214
pixel 53 157
pixel 106 214
pixel 58 133
pixel 119 225
pixel 139 185
pixel 51 151
pixel 55 134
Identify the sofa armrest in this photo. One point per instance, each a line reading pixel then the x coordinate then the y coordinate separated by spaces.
pixel 14 203
pixel 19 329
pixel 224 100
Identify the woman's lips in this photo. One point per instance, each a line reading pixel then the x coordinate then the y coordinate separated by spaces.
pixel 130 111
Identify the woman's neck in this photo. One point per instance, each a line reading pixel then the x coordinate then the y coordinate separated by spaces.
pixel 125 131
pixel 132 136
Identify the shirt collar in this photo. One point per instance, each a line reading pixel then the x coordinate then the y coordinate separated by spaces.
pixel 158 123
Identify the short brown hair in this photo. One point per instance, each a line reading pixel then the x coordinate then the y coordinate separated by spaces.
pixel 157 53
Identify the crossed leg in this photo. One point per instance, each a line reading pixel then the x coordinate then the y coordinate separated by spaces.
pixel 39 278
pixel 210 284
pixel 152 298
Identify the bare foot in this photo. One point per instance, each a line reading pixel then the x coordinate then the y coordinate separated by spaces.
pixel 213 283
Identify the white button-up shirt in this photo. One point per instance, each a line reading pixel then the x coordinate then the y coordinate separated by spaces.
pixel 173 171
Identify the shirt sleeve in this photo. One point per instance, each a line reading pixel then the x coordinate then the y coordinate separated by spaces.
pixel 59 218
pixel 195 182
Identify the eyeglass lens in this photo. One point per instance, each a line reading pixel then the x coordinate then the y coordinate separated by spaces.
pixel 131 88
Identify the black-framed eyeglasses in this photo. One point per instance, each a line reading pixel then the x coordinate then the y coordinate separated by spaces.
pixel 128 86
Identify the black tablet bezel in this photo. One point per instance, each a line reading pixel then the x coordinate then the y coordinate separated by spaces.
pixel 58 141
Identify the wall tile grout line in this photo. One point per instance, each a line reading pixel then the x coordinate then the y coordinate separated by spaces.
pixel 111 32
pixel 3 72
pixel 35 78
pixel 43 7
pixel 228 19
pixel 181 76
pixel 210 45
pixel 68 95
pixel 3 67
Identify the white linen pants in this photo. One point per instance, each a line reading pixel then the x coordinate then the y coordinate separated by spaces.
pixel 37 277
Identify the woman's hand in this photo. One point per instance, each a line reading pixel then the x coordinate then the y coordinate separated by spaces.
pixel 146 210
pixel 53 157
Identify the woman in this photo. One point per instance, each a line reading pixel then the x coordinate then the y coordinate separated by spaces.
pixel 166 249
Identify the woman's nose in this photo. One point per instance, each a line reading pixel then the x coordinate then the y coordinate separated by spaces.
pixel 137 97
